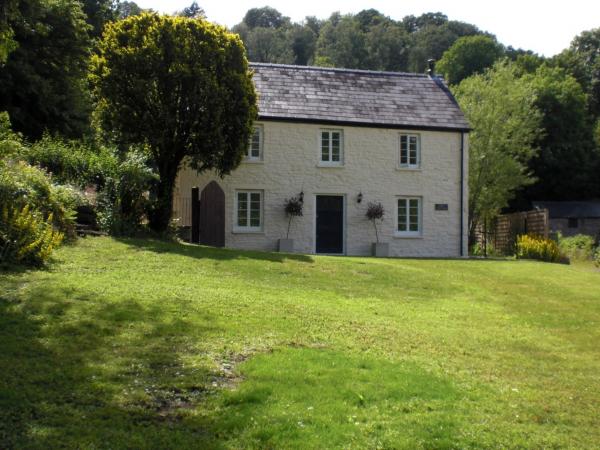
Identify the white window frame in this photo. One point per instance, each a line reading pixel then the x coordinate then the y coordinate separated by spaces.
pixel 248 228
pixel 261 134
pixel 408 164
pixel 409 233
pixel 329 162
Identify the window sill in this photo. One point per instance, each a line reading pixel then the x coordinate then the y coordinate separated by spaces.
pixel 409 169
pixel 246 231
pixel 407 236
pixel 252 161
pixel 330 166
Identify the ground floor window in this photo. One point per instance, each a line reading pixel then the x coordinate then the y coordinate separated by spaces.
pixel 248 211
pixel 409 216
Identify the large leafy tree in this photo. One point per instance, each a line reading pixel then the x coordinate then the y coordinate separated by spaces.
pixel 42 84
pixel 432 40
pixel 567 158
pixel 367 40
pixel 500 108
pixel 8 12
pixel 182 88
pixel 264 32
pixel 582 61
pixel 467 56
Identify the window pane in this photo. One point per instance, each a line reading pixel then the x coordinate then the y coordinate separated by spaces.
pixel 414 224
pixel 242 211
pixel 255 148
pixel 403 150
pixel 255 209
pixel 335 150
pixel 413 214
pixel 401 214
pixel 324 146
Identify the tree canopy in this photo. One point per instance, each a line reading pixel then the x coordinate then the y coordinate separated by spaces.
pixel 467 56
pixel 506 125
pixel 42 84
pixel 182 88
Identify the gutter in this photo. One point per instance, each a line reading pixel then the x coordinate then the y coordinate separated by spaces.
pixel 462 190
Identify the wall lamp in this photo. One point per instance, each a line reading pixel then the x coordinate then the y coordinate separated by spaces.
pixel 359 197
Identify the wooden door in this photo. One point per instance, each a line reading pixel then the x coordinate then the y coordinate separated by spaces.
pixel 330 224
pixel 212 215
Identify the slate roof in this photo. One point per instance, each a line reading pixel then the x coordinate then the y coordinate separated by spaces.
pixel 589 209
pixel 355 97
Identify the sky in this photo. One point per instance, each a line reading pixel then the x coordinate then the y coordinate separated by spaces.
pixel 546 27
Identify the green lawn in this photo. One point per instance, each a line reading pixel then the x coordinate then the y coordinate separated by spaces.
pixel 143 344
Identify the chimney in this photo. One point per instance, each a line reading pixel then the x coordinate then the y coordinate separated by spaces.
pixel 431 67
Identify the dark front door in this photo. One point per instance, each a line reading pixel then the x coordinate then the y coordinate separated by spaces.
pixel 212 215
pixel 330 224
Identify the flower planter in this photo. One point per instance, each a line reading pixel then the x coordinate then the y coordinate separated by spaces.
pixel 381 250
pixel 286 245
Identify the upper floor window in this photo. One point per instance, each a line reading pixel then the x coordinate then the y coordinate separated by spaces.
pixel 248 211
pixel 332 151
pixel 409 216
pixel 410 151
pixel 255 147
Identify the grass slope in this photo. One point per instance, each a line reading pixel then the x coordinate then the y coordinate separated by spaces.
pixel 144 344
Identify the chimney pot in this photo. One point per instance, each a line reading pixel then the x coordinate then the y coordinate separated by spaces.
pixel 431 69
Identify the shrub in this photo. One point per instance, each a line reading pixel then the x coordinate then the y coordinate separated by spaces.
pixel 26 237
pixel 535 247
pixel 123 203
pixel 22 184
pixel 293 208
pixel 374 213
pixel 10 142
pixel 596 257
pixel 72 162
pixel 580 246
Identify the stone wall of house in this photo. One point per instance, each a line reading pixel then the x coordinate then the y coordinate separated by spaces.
pixel 290 165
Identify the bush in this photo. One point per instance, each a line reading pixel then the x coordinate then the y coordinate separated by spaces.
pixel 26 237
pixel 375 212
pixel 293 208
pixel 580 246
pixel 72 162
pixel 123 202
pixel 596 257
pixel 535 247
pixel 24 185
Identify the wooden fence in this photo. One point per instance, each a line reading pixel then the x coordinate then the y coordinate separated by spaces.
pixel 502 234
pixel 182 210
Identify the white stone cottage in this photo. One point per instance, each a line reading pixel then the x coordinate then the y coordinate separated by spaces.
pixel 342 138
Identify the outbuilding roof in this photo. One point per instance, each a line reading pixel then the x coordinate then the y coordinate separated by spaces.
pixel 587 209
pixel 355 97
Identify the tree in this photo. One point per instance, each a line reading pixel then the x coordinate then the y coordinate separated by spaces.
pixel 194 11
pixel 342 43
pixel 98 13
pixel 467 56
pixel 500 109
pixel 582 60
pixel 413 24
pixel 303 41
pixel 265 17
pixel 431 41
pixel 266 34
pixel 42 84
pixel 564 166
pixel 124 9
pixel 181 87
pixel 8 11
